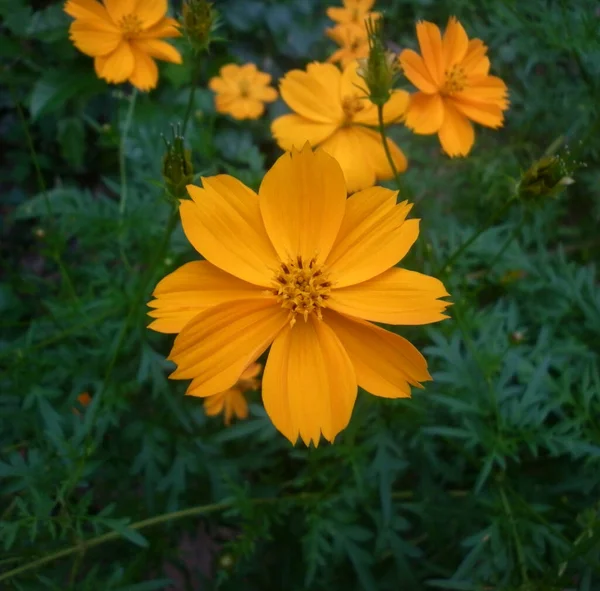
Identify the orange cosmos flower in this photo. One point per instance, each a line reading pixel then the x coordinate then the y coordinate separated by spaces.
pixel 454 85
pixel 232 402
pixel 353 42
pixel 331 110
pixel 242 91
pixel 354 12
pixel 300 268
pixel 123 37
pixel 84 399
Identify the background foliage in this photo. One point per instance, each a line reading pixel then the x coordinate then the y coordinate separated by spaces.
pixel 487 479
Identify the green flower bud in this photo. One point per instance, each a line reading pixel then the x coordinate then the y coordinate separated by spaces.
pixel 546 177
pixel 199 21
pixel 177 166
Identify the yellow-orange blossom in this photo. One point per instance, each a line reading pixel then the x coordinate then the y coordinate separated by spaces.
pixel 300 268
pixel 123 37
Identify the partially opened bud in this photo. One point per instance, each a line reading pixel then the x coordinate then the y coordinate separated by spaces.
pixel 199 21
pixel 546 177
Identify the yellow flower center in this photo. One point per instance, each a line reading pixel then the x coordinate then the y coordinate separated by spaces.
pixel 456 80
pixel 351 105
pixel 244 87
pixel 130 25
pixel 302 287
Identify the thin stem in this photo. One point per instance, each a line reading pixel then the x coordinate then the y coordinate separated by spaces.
pixel 123 170
pixel 190 104
pixel 515 533
pixel 463 247
pixel 387 148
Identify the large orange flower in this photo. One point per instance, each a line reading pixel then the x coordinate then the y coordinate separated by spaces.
pixel 455 87
pixel 242 91
pixel 331 110
pixel 123 37
pixel 300 268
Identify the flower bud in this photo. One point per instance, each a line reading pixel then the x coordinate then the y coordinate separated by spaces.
pixel 199 21
pixel 177 166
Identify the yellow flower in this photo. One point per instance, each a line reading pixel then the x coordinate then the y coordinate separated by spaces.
pixel 454 85
pixel 354 12
pixel 123 37
pixel 232 402
pixel 353 41
pixel 242 91
pixel 300 268
pixel 331 110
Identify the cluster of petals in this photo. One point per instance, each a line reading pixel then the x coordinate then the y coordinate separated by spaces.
pixel 124 37
pixel 331 110
pixel 242 91
pixel 232 402
pixel 305 270
pixel 455 88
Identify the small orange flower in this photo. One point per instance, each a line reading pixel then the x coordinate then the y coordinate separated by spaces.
pixel 123 37
pixel 455 87
pixel 331 110
pixel 232 402
pixel 354 12
pixel 84 399
pixel 241 91
pixel 353 42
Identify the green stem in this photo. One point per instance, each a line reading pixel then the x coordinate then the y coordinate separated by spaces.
pixel 123 170
pixel 387 148
pixel 463 247
pixel 190 104
pixel 515 533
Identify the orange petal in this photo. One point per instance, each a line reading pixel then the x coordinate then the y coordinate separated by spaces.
pixel 194 287
pixel 397 296
pixel 416 71
pixel 430 42
pixel 213 405
pixel 455 43
pixel 237 403
pixel 302 201
pixel 145 72
pixel 90 11
pixel 456 133
pixel 475 62
pixel 314 94
pixel 151 12
pixel 486 114
pixel 251 371
pixel 293 131
pixel 374 153
pixel 309 384
pixel 117 9
pixel 218 344
pixel 425 113
pixel 486 89
pixel 223 223
pixel 385 363
pixel 264 93
pixel 119 64
pixel 92 40
pixel 165 27
pixel 158 49
pixel 375 237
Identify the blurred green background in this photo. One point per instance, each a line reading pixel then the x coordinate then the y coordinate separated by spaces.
pixel 487 479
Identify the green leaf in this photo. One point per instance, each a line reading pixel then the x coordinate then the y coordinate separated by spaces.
pixel 130 534
pixel 54 89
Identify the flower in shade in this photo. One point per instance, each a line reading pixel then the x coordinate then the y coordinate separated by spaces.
pixel 353 42
pixel 331 110
pixel 454 85
pixel 303 269
pixel 232 402
pixel 354 12
pixel 124 37
pixel 84 399
pixel 242 91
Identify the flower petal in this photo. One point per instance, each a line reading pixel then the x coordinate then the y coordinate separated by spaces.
pixel 194 287
pixel 314 94
pixel 486 114
pixel 165 27
pixel 376 236
pixel 475 62
pixel 213 405
pixel 91 11
pixel 385 363
pixel 216 346
pixel 309 384
pixel 302 201
pixel 397 296
pixel 145 72
pixel 151 12
pixel 158 49
pixel 485 89
pixel 243 108
pixel 92 40
pixel 237 405
pixel 430 42
pixel 117 9
pixel 416 71
pixel 455 43
pixel 456 133
pixel 119 64
pixel 223 223
pixel 425 113
pixel 293 131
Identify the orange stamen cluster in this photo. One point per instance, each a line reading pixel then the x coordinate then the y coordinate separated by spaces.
pixel 302 287
pixel 130 24
pixel 455 80
pixel 351 105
